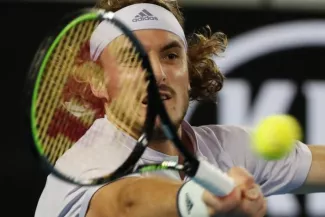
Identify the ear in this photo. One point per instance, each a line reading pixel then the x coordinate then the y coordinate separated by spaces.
pixel 99 90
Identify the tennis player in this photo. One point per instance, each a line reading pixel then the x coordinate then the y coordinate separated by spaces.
pixel 184 72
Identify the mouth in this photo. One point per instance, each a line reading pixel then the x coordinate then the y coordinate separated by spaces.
pixel 164 96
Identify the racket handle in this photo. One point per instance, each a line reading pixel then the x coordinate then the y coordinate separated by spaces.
pixel 213 179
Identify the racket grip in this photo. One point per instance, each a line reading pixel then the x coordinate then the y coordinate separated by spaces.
pixel 213 179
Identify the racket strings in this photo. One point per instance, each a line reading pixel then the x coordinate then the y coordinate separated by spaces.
pixel 73 45
pixel 67 106
pixel 49 97
pixel 52 116
pixel 86 117
pixel 124 110
pixel 135 87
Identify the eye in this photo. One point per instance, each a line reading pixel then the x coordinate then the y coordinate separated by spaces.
pixel 172 56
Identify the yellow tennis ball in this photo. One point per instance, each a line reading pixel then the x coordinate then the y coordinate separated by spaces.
pixel 275 136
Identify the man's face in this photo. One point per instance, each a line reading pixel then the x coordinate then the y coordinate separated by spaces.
pixel 169 62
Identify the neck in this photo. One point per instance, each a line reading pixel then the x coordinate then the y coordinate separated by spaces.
pixel 166 146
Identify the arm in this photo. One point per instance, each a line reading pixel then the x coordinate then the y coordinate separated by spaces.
pixel 315 181
pixel 157 196
pixel 136 197
pixel 276 176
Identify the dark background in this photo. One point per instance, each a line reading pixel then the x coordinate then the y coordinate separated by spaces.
pixel 23 25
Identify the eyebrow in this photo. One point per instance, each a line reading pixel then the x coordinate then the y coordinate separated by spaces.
pixel 172 44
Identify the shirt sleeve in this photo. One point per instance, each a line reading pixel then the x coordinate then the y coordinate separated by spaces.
pixel 285 175
pixel 89 157
pixel 63 199
pixel 276 176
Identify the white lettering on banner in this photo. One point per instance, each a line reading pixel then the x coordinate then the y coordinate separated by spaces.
pixel 274 97
pixel 315 205
pixel 235 105
pixel 315 108
pixel 315 104
pixel 283 205
pixel 235 97
pixel 271 38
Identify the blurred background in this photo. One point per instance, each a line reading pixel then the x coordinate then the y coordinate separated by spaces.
pixel 275 63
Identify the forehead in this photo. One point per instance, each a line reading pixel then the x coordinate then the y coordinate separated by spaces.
pixel 156 39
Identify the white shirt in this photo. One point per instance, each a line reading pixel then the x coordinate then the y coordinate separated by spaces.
pixel 223 146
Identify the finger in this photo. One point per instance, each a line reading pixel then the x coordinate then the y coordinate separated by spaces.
pixel 211 201
pixel 231 201
pixel 249 208
pixel 263 210
pixel 222 204
pixel 253 193
pixel 252 208
pixel 241 176
pixel 211 211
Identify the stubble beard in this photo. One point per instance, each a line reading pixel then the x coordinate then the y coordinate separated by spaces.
pixel 159 134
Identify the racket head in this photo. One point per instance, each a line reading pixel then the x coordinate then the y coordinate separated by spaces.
pixel 56 94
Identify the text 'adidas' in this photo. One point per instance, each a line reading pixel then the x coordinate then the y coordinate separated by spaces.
pixel 144 15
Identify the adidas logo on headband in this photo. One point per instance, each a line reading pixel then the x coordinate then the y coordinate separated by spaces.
pixel 144 15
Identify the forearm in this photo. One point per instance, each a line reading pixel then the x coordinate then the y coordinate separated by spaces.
pixel 136 197
pixel 158 198
pixel 315 181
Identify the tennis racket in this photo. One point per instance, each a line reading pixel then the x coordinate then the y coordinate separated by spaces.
pixel 65 95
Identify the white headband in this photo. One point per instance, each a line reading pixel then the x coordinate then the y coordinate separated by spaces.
pixel 136 17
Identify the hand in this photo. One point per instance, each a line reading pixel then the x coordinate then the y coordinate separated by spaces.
pixel 222 205
pixel 245 200
pixel 252 202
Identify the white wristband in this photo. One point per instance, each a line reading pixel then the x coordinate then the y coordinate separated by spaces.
pixel 189 201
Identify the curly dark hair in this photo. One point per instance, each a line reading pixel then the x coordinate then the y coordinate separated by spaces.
pixel 205 77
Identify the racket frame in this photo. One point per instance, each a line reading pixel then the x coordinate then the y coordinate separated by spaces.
pixel 155 106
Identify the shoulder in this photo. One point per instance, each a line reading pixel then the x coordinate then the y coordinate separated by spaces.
pixel 224 129
pixel 226 135
pixel 228 143
pixel 60 198
pixel 94 153
pixel 91 156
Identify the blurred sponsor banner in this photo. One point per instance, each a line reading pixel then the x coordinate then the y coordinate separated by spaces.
pixel 275 68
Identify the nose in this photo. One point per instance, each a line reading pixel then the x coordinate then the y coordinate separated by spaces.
pixel 157 69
